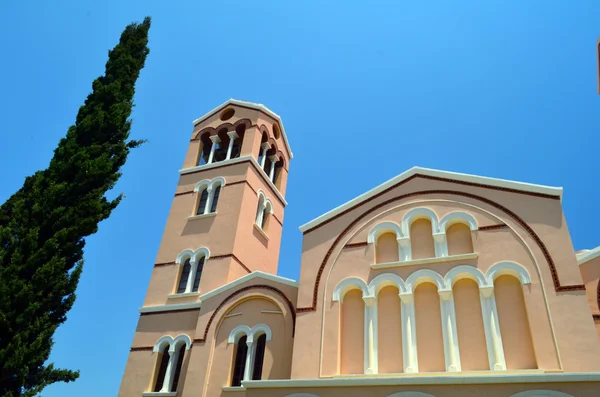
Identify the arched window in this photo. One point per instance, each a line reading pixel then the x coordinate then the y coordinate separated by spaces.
pixel 180 353
pixel 215 199
pixel 171 353
pixel 241 351
pixel 205 149
pixel 191 272
pixel 259 357
pixel 163 363
pixel 202 208
pixel 278 173
pixel 263 212
pixel 185 275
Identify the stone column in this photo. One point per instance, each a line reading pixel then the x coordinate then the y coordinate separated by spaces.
pixel 232 137
pixel 451 351
pixel 209 199
pixel 371 334
pixel 192 275
pixel 265 147
pixel 168 381
pixel 493 338
pixel 249 360
pixel 272 170
pixel 215 139
pixel 409 334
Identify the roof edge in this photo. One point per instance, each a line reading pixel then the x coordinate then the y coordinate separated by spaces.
pixel 525 187
pixel 588 255
pixel 248 277
pixel 252 105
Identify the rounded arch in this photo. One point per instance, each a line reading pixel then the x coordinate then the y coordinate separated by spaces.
pixel 261 195
pixel 465 271
pixel 238 332
pixel 258 330
pixel 286 300
pixel 424 276
pixel 347 285
pixel 541 393
pixel 183 256
pixel 199 253
pixel 269 206
pixel 203 184
pixel 161 342
pixel 419 213
pixel 508 268
pixel 458 217
pixel 384 227
pixel 386 280
pixel 181 339
pixel 218 181
pixel 410 394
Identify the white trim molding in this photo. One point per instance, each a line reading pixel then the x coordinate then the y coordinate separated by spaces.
pixel 169 308
pixel 541 393
pixel 348 285
pixel 481 180
pixel 588 255
pixel 159 394
pixel 443 379
pixel 252 105
pixel 410 394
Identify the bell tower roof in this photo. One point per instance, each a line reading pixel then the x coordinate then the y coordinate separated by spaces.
pixel 249 105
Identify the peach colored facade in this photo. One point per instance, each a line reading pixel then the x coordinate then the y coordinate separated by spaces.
pixel 431 284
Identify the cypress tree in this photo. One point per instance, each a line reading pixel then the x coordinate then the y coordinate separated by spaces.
pixel 44 224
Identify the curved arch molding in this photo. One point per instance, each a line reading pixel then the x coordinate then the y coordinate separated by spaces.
pixel 242 290
pixel 557 285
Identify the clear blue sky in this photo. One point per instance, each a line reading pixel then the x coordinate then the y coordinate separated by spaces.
pixel 497 88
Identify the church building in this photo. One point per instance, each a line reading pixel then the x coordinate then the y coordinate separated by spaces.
pixel 432 284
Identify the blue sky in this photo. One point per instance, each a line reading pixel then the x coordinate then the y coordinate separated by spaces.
pixel 497 88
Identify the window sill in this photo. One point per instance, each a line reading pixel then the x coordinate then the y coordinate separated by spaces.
pixel 210 214
pixel 424 261
pixel 159 393
pixel 183 295
pixel 232 388
pixel 261 231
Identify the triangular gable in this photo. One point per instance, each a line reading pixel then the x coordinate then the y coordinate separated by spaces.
pixel 246 278
pixel 455 176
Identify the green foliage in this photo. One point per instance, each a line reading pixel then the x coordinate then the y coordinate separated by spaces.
pixel 43 225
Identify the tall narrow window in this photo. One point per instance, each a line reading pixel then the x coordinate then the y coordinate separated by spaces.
pixel 215 199
pixel 202 203
pixel 185 275
pixel 259 357
pixel 180 355
pixel 240 361
pixel 162 368
pixel 198 275
pixel 206 145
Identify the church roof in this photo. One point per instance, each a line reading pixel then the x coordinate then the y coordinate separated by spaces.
pixel 476 179
pixel 251 105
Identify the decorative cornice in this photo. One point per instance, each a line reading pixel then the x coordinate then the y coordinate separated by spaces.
pixel 557 285
pixel 240 291
pixel 164 264
pixel 175 308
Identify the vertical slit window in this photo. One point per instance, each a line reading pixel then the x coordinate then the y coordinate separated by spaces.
pixel 240 361
pixel 259 357
pixel 198 275
pixel 185 274
pixel 162 369
pixel 180 355
pixel 202 203
pixel 213 207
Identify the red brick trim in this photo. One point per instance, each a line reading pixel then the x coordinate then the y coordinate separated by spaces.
pixel 492 227
pixel 166 311
pixel 356 245
pixel 515 217
pixel 141 348
pixel 240 291
pixel 164 264
pixel 235 258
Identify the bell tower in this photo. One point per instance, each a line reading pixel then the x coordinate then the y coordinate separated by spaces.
pixel 227 213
